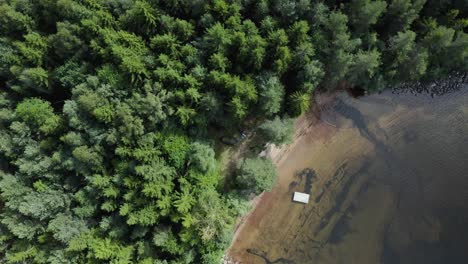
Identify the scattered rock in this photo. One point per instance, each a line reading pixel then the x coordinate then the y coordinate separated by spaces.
pixel 434 88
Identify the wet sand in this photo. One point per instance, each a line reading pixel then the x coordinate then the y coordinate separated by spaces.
pixel 374 170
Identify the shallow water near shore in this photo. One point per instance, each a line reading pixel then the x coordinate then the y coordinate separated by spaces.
pixel 388 178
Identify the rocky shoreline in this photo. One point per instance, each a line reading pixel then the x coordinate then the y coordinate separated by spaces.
pixel 440 87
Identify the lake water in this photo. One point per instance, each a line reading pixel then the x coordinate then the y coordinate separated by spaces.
pixel 388 178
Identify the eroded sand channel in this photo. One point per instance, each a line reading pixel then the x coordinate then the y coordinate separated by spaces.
pixel 389 184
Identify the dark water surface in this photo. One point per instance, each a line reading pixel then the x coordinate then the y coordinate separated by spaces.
pixel 423 164
pixel 399 197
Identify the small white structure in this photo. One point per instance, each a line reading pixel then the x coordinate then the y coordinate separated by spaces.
pixel 301 197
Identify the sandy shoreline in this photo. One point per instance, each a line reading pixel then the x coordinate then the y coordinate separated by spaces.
pixel 304 125
pixel 315 146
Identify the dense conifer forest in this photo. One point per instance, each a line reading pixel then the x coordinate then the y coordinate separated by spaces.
pixel 110 110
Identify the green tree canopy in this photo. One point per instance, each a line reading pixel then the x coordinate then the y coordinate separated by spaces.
pixel 111 111
pixel 202 156
pixel 271 94
pixel 39 114
pixel 256 174
pixel 278 131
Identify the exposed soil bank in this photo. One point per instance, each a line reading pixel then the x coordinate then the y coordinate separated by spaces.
pixel 373 189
